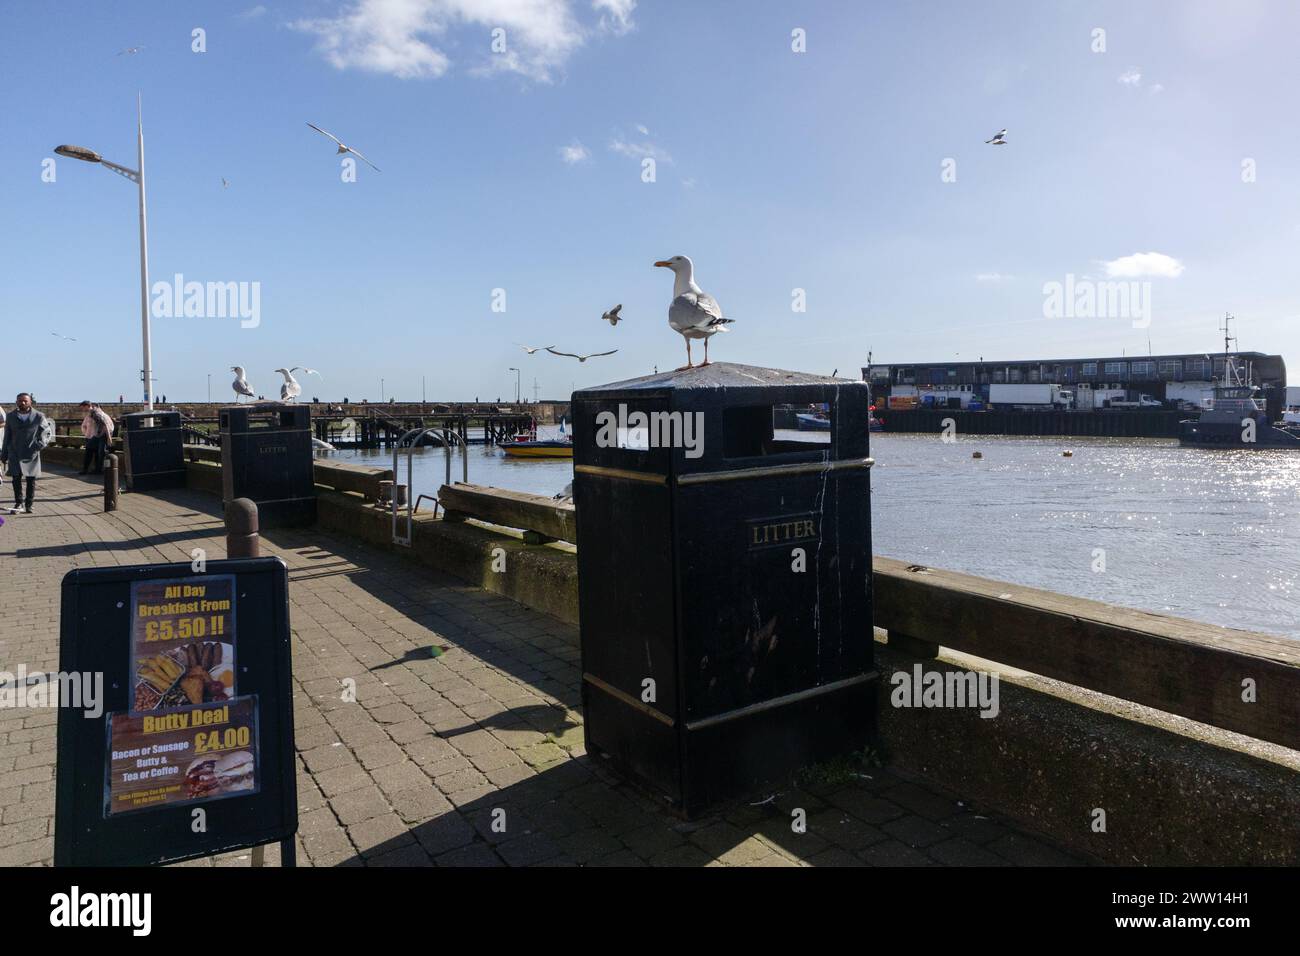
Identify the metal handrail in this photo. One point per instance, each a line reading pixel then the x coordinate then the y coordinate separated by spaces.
pixel 448 438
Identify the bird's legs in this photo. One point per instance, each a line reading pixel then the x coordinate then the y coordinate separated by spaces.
pixel 688 357
pixel 706 354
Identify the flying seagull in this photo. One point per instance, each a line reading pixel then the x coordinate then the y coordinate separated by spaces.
pixel 224 184
pixel 240 384
pixel 693 312
pixel 290 390
pixel 346 149
pixel 999 138
pixel 530 349
pixel 130 49
pixel 581 358
pixel 62 336
pixel 612 316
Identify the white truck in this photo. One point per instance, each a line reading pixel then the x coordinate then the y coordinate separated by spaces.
pixel 1141 401
pixel 1038 396
pixel 1197 394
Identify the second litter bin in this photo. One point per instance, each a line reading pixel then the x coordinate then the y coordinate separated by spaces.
pixel 153 449
pixel 724 557
pixel 266 457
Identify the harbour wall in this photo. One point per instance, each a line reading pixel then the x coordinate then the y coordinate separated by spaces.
pixel 1120 423
pixel 546 413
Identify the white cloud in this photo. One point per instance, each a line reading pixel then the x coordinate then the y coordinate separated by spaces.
pixel 689 183
pixel 406 38
pixel 1157 88
pixel 615 15
pixel 991 277
pixel 640 150
pixel 252 13
pixel 575 153
pixel 1144 264
pixel 642 130
pixel 1130 77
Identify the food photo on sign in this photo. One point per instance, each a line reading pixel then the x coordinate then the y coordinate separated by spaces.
pixel 183 642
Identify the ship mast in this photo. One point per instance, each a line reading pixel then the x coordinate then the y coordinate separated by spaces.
pixel 1231 375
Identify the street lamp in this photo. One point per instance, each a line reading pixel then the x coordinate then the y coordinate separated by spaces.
pixel 516 371
pixel 136 176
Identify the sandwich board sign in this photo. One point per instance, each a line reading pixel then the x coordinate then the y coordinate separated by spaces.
pixel 190 751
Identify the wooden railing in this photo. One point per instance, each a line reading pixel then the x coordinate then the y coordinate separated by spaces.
pixel 542 519
pixel 1239 681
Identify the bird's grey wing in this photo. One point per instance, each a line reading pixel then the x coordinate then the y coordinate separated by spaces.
pixel 692 310
pixel 599 354
pixel 364 160
pixel 323 133
pixel 569 354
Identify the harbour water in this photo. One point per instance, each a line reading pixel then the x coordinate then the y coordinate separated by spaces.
pixel 1208 535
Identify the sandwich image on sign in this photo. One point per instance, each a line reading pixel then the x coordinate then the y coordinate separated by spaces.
pixel 217 776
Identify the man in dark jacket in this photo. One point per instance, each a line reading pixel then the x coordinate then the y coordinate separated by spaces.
pixel 27 432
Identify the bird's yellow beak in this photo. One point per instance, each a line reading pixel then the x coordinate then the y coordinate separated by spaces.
pixel 666 265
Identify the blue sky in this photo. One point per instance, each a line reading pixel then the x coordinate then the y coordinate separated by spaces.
pixel 775 171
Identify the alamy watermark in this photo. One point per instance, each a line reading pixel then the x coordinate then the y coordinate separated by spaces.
pixel 640 431
pixel 945 689
pixel 80 691
pixel 207 300
pixel 1089 299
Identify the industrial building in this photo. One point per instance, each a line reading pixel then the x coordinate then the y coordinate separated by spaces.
pixel 1168 378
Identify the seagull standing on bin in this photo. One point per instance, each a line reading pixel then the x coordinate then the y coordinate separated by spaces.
pixel 693 312
pixel 240 384
pixel 290 390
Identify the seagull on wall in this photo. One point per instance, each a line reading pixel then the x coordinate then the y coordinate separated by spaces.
pixel 693 312
pixel 530 349
pixel 343 148
pixel 612 316
pixel 240 384
pixel 581 358
pixel 290 390
pixel 999 138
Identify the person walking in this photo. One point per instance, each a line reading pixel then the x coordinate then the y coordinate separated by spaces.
pixel 97 427
pixel 27 432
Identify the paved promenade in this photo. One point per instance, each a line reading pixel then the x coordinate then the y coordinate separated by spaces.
pixel 410 774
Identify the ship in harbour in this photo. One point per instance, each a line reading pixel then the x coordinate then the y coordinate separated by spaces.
pixel 1237 418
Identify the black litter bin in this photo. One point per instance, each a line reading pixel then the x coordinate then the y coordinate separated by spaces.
pixel 724 557
pixel 154 451
pixel 266 456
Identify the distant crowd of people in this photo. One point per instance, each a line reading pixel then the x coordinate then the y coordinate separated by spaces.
pixel 26 432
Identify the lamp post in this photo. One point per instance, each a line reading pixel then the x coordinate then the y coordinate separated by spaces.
pixel 136 176
pixel 516 371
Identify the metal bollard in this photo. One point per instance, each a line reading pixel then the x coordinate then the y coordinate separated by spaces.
pixel 110 483
pixel 242 540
